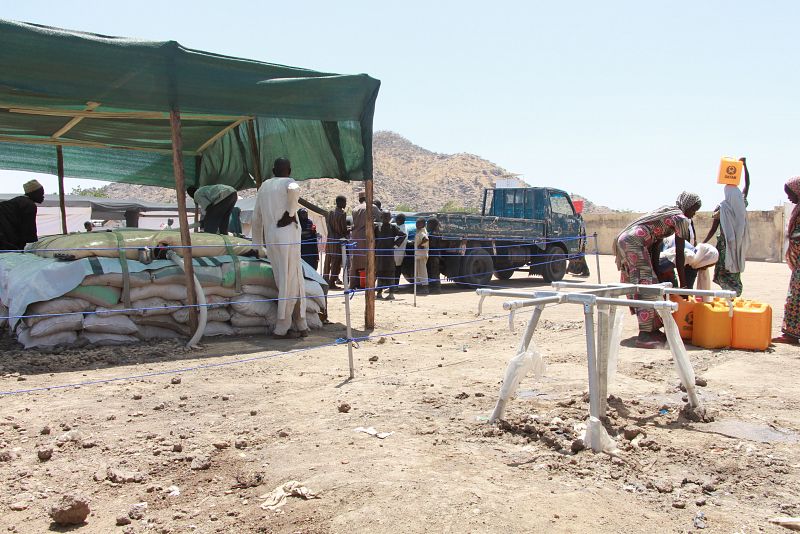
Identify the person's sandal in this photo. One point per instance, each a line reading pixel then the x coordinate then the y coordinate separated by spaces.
pixel 786 339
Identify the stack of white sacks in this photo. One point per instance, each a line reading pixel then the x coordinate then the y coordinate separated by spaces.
pixel 95 311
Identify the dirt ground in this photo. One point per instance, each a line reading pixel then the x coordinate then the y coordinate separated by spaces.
pixel 203 436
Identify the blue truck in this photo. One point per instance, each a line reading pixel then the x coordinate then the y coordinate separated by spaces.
pixel 535 229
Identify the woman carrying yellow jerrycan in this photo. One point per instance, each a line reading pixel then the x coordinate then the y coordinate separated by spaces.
pixel 730 218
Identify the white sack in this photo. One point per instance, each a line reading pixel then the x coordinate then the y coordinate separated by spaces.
pixel 61 338
pixel 156 332
pixel 243 321
pixel 217 328
pixel 252 330
pixel 164 291
pixel 220 291
pixel 107 339
pixel 264 291
pixel 313 320
pixel 59 305
pixel 214 314
pixel 56 324
pixel 109 324
pixel 256 305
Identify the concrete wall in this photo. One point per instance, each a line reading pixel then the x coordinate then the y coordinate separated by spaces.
pixel 766 231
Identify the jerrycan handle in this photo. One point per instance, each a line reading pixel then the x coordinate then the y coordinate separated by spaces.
pixel 730 307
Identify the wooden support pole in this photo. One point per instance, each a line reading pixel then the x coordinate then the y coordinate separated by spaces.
pixel 61 201
pixel 251 133
pixel 198 165
pixel 369 307
pixel 183 219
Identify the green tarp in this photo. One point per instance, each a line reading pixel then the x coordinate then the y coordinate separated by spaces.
pixel 321 121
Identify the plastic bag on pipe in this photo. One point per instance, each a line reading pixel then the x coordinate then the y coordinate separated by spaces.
pixel 614 341
pixel 597 438
pixel 678 349
pixel 519 366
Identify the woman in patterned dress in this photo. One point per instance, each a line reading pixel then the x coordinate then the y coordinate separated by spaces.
pixel 791 311
pixel 638 247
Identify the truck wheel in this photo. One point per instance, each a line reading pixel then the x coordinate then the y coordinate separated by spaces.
pixel 505 274
pixel 476 269
pixel 556 264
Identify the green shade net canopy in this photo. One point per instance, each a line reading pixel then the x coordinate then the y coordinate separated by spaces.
pixel 106 101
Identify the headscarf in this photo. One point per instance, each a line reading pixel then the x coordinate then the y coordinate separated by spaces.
pixel 687 200
pixel 733 220
pixel 793 252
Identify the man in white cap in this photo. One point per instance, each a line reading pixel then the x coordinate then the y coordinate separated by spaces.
pixel 18 217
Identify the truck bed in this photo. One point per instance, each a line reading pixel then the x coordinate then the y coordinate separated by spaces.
pixel 487 227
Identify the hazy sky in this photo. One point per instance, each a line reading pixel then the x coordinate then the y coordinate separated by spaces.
pixel 626 103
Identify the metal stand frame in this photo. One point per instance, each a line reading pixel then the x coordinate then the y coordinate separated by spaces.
pixel 604 298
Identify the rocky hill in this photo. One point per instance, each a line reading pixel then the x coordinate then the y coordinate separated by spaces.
pixel 407 177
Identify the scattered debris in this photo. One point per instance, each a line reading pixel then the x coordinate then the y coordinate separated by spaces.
pixel 44 454
pixel 277 499
pixel 175 380
pixel 372 432
pixel 343 407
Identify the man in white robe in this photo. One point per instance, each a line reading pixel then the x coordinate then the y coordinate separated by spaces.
pixel 276 226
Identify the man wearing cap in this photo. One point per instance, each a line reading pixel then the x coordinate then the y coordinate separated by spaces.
pixel 216 204
pixel 18 217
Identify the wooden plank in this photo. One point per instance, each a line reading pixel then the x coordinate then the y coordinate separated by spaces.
pixel 369 304
pixel 82 144
pixel 135 115
pixel 256 153
pixel 61 202
pixel 183 219
pixel 219 134
pixel 73 121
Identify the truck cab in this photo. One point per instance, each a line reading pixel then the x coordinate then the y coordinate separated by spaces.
pixel 553 206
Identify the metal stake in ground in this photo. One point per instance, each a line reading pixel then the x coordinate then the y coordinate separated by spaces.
pixel 346 284
pixel 416 276
pixel 596 257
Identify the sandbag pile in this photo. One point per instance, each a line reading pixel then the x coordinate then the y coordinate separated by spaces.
pixel 115 305
pixel 131 241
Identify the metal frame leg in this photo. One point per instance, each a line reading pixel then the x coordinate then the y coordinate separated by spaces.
pixel 346 284
pixel 604 324
pixel 500 407
pixel 591 347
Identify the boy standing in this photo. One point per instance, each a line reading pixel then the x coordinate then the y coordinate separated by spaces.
pixel 421 244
